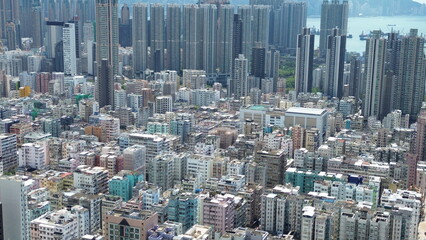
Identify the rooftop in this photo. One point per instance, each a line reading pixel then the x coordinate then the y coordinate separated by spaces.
pixel 308 111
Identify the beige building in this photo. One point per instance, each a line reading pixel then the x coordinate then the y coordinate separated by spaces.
pixel 129 224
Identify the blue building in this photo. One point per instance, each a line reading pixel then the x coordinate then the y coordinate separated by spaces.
pixel 183 208
pixel 122 185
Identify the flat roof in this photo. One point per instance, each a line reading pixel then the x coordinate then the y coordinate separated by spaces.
pixel 257 107
pixel 308 111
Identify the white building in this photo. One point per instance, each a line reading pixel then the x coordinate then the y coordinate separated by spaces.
pixel 307 118
pixel 70 49
pixel 154 144
pixel 409 204
pixel 163 104
pixel 200 165
pixel 61 224
pixel 135 158
pixel 83 220
pixel 120 98
pixel 14 199
pixel 308 223
pixel 32 155
pixel 204 97
pixel 194 79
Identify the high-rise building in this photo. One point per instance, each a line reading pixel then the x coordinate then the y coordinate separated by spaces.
pixel 107 34
pixel 410 82
pixel 421 134
pixel 192 34
pixel 105 84
pixel 183 208
pixel 292 20
pixel 258 62
pixel 260 25
pixel 173 34
pixel 239 84
pixel 11 39
pixel 335 61
pixel 275 161
pixel 60 224
pixel 8 149
pixel 70 48
pixel 135 158
pixel 304 62
pixel 92 180
pixel 163 104
pixel 237 37
pixel 375 55
pixel 125 27
pixel 9 12
pixel 355 77
pixel 334 14
pixel 14 199
pixel 140 38
pixel 213 30
pixel 225 24
pixel 157 37
pixel 255 21
pixel 133 224
pixel 245 13
pixel 32 155
pixel 219 212
pixel 36 25
pixel 54 34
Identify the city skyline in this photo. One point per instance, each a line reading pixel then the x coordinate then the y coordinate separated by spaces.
pixel 140 120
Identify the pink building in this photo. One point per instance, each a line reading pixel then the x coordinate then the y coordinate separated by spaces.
pixel 42 82
pixel 219 212
pixel 421 135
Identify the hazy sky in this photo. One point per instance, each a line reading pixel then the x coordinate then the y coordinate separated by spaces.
pixel 420 1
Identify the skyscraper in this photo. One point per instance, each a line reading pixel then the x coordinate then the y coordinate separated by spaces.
pixel 125 27
pixel 260 22
pixel 11 36
pixel 258 62
pixel 210 32
pixel 70 49
pixel 245 13
pixel 173 34
pixel 140 38
pixel 107 33
pixel 292 20
pixel 9 12
pixel 237 37
pixel 304 62
pixel 192 34
pixel 225 26
pixel 355 78
pixel 157 37
pixel 335 61
pixel 421 134
pixel 53 36
pixel 334 14
pixel 105 84
pixel 410 82
pixel 239 84
pixel 36 28
pixel 375 55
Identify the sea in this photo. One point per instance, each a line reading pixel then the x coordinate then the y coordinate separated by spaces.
pixel 359 25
